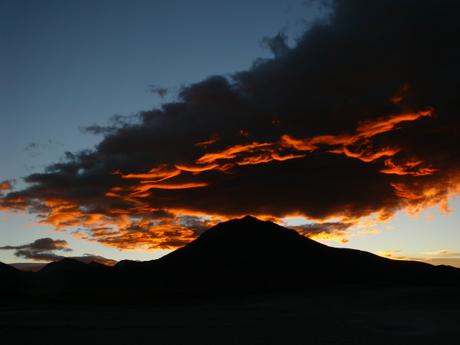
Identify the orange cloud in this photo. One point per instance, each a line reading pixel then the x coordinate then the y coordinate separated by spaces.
pixel 335 237
pixel 157 174
pixel 5 186
pixel 244 133
pixel 134 226
pixel 196 169
pixel 415 196
pixel 145 186
pixel 205 143
pixel 410 167
pixel 366 155
pixel 393 255
pixel 126 229
pixel 233 152
pixel 357 145
pixel 371 128
pixel 438 257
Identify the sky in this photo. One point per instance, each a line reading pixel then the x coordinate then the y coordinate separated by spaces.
pixel 130 127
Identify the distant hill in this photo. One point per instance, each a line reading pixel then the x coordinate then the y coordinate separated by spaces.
pixel 28 266
pixel 240 255
pixel 9 279
pixel 7 270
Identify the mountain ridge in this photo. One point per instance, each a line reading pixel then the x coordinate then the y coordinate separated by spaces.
pixel 239 255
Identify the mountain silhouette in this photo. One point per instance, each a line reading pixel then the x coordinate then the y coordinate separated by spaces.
pixel 65 266
pixel 7 270
pixel 240 255
pixel 245 241
pixel 9 279
pixel 28 266
pixel 250 254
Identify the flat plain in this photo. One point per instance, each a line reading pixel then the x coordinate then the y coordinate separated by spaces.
pixel 384 315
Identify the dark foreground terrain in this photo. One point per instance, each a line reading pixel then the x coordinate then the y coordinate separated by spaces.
pixel 350 316
pixel 241 282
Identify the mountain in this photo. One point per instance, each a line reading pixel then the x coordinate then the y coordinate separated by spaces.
pixel 6 270
pixel 9 279
pixel 71 277
pixel 72 267
pixel 240 255
pixel 28 266
pixel 250 254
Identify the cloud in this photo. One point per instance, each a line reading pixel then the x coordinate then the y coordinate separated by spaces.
pixel 150 232
pixel 88 258
pixel 158 90
pixel 5 186
pixel 325 231
pixel 443 253
pixel 41 250
pixel 277 44
pixel 31 147
pixel 114 124
pixel 455 262
pixel 442 257
pixel 437 257
pixel 395 254
pixel 35 148
pixel 44 249
pixel 359 118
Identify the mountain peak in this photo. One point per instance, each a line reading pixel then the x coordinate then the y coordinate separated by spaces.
pixel 248 229
pixel 64 265
pixel 244 221
pixel 249 218
pixel 246 238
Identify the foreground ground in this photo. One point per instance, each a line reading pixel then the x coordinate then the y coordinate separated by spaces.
pixel 350 316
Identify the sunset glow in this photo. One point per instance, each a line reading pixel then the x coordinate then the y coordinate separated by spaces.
pixel 344 147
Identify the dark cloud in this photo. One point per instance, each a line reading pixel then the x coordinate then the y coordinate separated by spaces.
pixel 317 228
pixel 44 249
pixel 277 44
pixel 98 129
pixel 115 123
pixel 158 90
pixel 359 118
pixel 34 149
pixel 31 147
pixel 41 250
